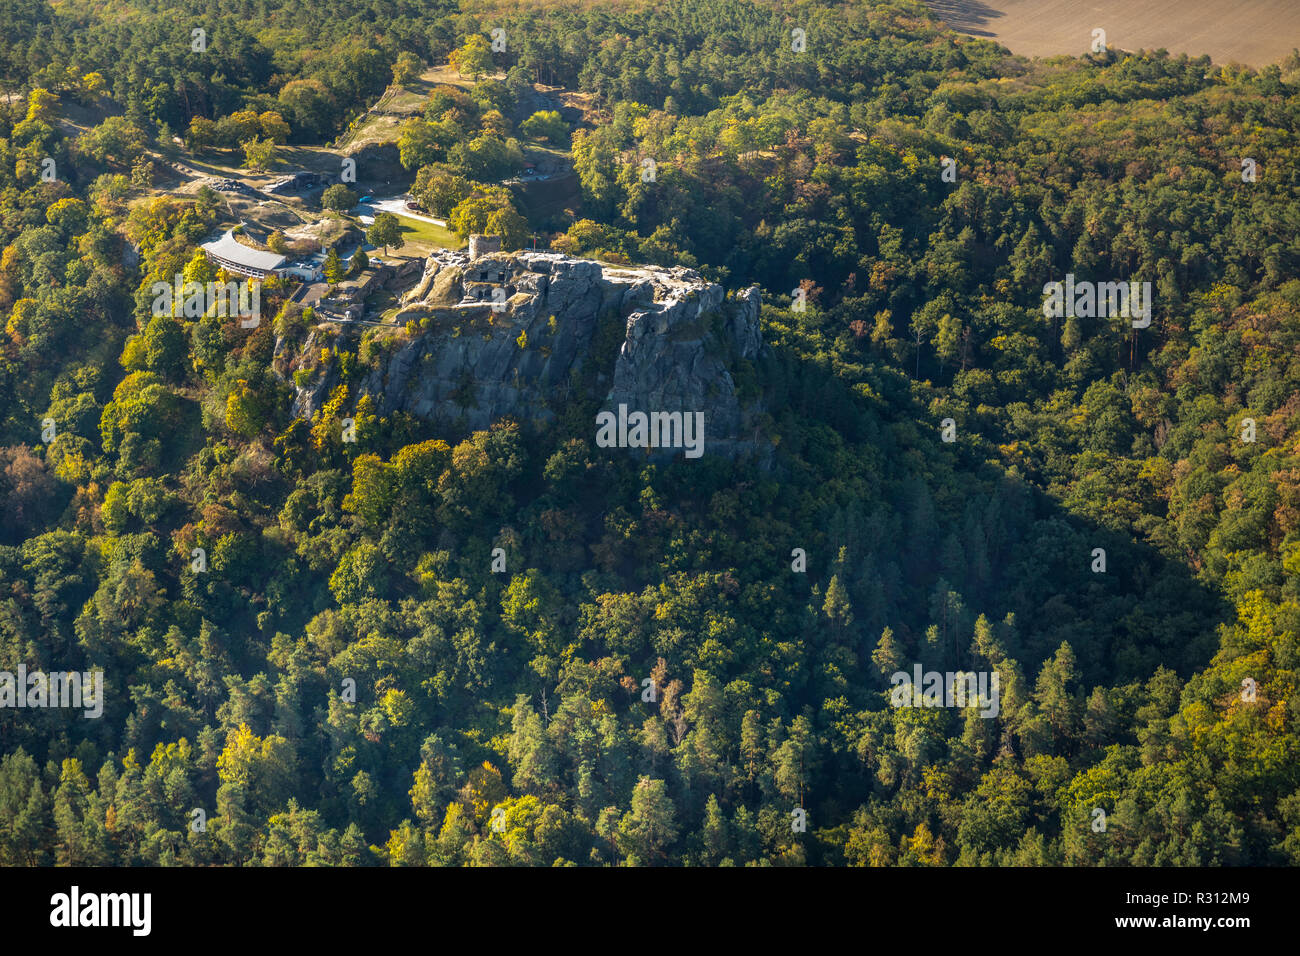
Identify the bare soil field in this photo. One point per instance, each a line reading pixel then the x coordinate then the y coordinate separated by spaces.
pixel 1253 32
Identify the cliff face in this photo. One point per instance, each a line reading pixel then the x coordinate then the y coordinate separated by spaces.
pixel 509 331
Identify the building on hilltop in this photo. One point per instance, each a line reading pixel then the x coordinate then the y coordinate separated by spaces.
pixel 242 260
pixel 480 245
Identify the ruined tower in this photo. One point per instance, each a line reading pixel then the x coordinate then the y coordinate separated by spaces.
pixel 480 245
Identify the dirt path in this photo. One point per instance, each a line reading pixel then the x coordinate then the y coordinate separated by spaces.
pixel 398 207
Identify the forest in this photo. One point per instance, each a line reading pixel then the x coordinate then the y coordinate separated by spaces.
pixel 349 683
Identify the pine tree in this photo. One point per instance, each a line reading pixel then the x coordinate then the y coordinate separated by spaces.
pixel 888 655
pixel 359 262
pixel 333 266
pixel 651 825
pixel 836 607
pixel 751 744
pixel 714 832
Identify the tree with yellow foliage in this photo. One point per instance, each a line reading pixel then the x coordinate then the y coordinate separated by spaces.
pixel 40 105
pixel 474 58
pixel 482 792
pixel 93 86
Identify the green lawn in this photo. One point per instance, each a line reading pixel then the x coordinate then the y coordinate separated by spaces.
pixel 425 236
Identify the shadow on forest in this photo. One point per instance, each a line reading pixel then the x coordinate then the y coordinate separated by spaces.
pixel 951 514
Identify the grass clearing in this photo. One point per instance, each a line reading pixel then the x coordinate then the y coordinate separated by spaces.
pixel 423 237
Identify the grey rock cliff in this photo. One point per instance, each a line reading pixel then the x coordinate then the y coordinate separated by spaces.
pixel 508 331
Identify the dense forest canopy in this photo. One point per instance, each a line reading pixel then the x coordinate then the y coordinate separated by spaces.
pixel 347 681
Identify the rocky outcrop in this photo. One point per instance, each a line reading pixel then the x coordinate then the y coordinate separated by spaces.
pixel 679 352
pixel 512 335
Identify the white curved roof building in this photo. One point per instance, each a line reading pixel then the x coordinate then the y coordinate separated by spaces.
pixel 236 257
